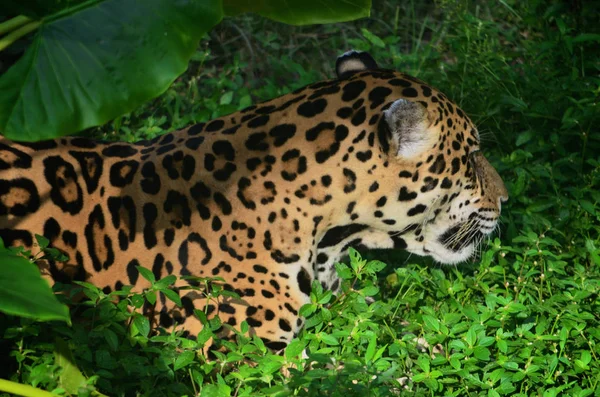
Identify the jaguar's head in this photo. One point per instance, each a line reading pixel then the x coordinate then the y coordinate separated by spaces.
pixel 447 195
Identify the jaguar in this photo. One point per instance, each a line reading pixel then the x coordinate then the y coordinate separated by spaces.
pixel 268 199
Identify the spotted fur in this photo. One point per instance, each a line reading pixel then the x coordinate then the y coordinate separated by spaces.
pixel 268 198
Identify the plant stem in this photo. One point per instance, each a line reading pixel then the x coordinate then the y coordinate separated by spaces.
pixel 17 34
pixel 23 390
pixel 13 23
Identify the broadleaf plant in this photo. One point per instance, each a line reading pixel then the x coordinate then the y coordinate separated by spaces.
pixel 24 293
pixel 88 65
pixel 92 61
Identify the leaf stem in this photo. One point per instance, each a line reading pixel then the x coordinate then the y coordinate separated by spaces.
pixel 13 23
pixel 23 390
pixel 17 34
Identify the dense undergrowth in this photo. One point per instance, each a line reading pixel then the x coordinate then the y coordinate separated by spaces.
pixel 523 318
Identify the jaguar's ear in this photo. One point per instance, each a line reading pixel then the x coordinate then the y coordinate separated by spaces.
pixel 408 128
pixel 354 61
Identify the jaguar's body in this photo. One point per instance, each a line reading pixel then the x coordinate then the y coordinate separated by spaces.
pixel 267 198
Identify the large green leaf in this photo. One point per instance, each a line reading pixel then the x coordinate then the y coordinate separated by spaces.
pixel 88 67
pixel 303 12
pixel 23 292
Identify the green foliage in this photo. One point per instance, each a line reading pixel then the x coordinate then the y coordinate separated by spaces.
pixel 521 320
pixel 22 290
pixel 90 62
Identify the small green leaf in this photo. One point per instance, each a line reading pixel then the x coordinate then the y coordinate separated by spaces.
pixel 455 362
pixel 226 98
pixel 436 374
pixel 150 296
pixel 502 346
pixel 424 363
pixel 184 359
pixel 165 282
pixel 418 378
pixel 431 323
pixel 42 241
pixel 229 294
pixel 307 310
pixel 581 365
pixel 245 101
pixel 343 271
pixel 295 348
pixel 471 336
pixel 432 384
pixel 111 338
pixel 394 348
pixel 325 298
pixel 481 353
pixel 142 325
pixel 563 335
pixel 524 137
pixel 372 38
pixel 376 266
pixel 329 339
pixel 493 393
pixel 259 343
pixel 457 344
pixel 326 314
pixel 147 274
pixel 215 323
pixel 244 327
pixel 370 290
pixel 137 300
pixel 513 366
pixel 172 296
pixel 204 336
pixel 370 352
pixel 589 207
pixel 586 357
pixel 215 391
pixel 201 316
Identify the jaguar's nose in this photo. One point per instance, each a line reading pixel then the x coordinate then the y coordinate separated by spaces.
pixel 494 184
